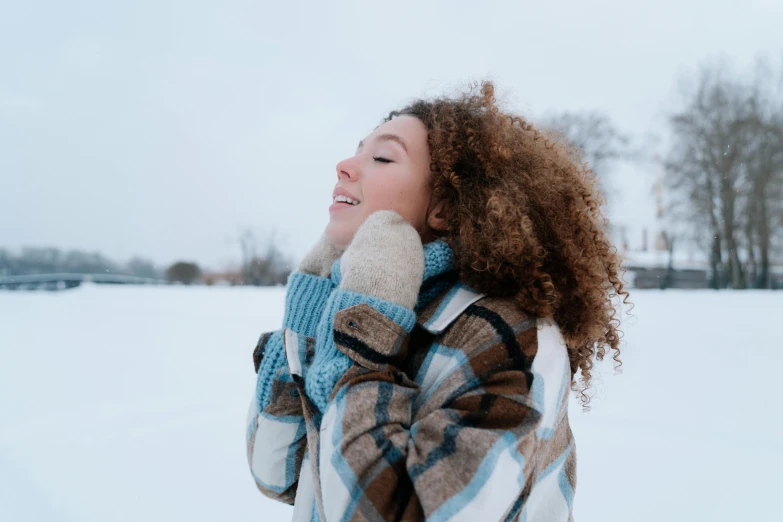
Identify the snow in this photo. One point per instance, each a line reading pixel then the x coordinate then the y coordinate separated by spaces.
pixel 129 403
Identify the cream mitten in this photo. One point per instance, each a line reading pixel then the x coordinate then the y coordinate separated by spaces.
pixel 319 260
pixel 385 260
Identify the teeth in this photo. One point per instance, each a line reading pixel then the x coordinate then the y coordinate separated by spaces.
pixel 345 199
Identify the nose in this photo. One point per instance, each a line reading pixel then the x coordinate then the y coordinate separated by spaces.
pixel 347 169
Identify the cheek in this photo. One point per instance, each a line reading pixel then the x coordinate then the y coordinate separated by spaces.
pixel 408 199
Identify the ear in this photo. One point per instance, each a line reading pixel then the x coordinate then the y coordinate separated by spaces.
pixel 436 219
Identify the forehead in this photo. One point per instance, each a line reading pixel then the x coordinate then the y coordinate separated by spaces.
pixel 409 128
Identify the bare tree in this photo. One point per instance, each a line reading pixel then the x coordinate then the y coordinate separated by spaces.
pixel 141 267
pixel 43 260
pixel 764 210
pixel 262 265
pixel 725 164
pixel 704 163
pixel 595 137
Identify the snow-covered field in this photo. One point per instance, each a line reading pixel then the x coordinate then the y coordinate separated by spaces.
pixel 129 403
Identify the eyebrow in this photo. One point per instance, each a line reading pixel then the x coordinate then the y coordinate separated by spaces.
pixel 387 137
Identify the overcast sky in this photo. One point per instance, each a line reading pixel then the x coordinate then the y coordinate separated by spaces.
pixel 162 128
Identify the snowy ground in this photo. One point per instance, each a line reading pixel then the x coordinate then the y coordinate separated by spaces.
pixel 129 403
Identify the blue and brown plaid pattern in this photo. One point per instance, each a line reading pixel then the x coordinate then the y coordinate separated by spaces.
pixel 463 418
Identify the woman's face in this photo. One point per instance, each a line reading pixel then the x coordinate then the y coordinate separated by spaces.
pixel 390 171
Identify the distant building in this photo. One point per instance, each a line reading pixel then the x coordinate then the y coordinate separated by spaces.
pixel 226 278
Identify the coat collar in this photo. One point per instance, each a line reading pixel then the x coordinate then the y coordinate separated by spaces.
pixel 440 312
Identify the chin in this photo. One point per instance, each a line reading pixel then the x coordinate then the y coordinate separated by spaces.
pixel 339 235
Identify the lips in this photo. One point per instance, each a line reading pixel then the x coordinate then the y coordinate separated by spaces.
pixel 339 191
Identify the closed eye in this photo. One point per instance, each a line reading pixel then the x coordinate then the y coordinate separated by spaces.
pixel 382 160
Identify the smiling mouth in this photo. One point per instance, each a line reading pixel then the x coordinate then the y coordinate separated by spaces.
pixel 346 200
pixel 343 203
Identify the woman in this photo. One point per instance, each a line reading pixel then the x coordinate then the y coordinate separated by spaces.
pixel 431 336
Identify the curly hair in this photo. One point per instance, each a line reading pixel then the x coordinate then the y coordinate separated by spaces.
pixel 524 220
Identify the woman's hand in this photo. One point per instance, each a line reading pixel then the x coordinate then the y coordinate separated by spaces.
pixel 385 260
pixel 319 260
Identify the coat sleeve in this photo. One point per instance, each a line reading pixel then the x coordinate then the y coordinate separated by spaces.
pixel 275 434
pixel 462 460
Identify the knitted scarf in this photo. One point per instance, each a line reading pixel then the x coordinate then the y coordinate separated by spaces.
pixel 329 364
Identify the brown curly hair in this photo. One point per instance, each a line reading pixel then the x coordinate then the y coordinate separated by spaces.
pixel 524 220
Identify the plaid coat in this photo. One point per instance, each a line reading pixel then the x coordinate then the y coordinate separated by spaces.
pixel 462 418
